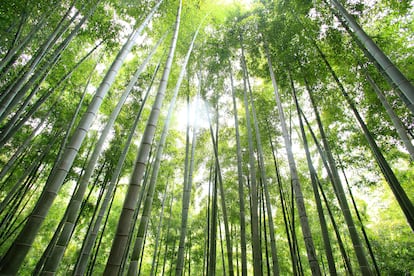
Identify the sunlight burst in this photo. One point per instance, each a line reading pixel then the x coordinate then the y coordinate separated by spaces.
pixel 195 105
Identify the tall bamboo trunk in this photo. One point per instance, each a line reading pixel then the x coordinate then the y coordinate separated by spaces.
pixel 223 262
pixel 143 225
pixel 310 248
pixel 18 89
pixel 368 243
pixel 222 201
pixel 400 194
pixel 91 235
pixel 313 175
pixel 17 121
pixel 275 261
pixel 144 189
pixel 75 203
pixel 187 188
pixel 20 44
pixel 257 266
pixel 386 64
pixel 156 254
pixel 330 175
pixel 340 194
pixel 126 221
pixel 240 180
pixel 74 117
pixel 164 262
pixel 212 247
pixel 282 202
pixel 39 266
pixel 207 235
pixel 14 257
pixel 399 127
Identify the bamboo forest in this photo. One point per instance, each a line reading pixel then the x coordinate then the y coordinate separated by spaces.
pixel 207 137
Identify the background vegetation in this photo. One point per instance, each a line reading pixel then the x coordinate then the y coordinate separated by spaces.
pixel 325 188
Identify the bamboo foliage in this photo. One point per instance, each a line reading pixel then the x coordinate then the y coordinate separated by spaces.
pixel 389 68
pixel 402 198
pixel 107 167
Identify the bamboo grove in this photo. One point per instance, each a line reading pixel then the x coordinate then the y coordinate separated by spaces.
pixel 206 137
